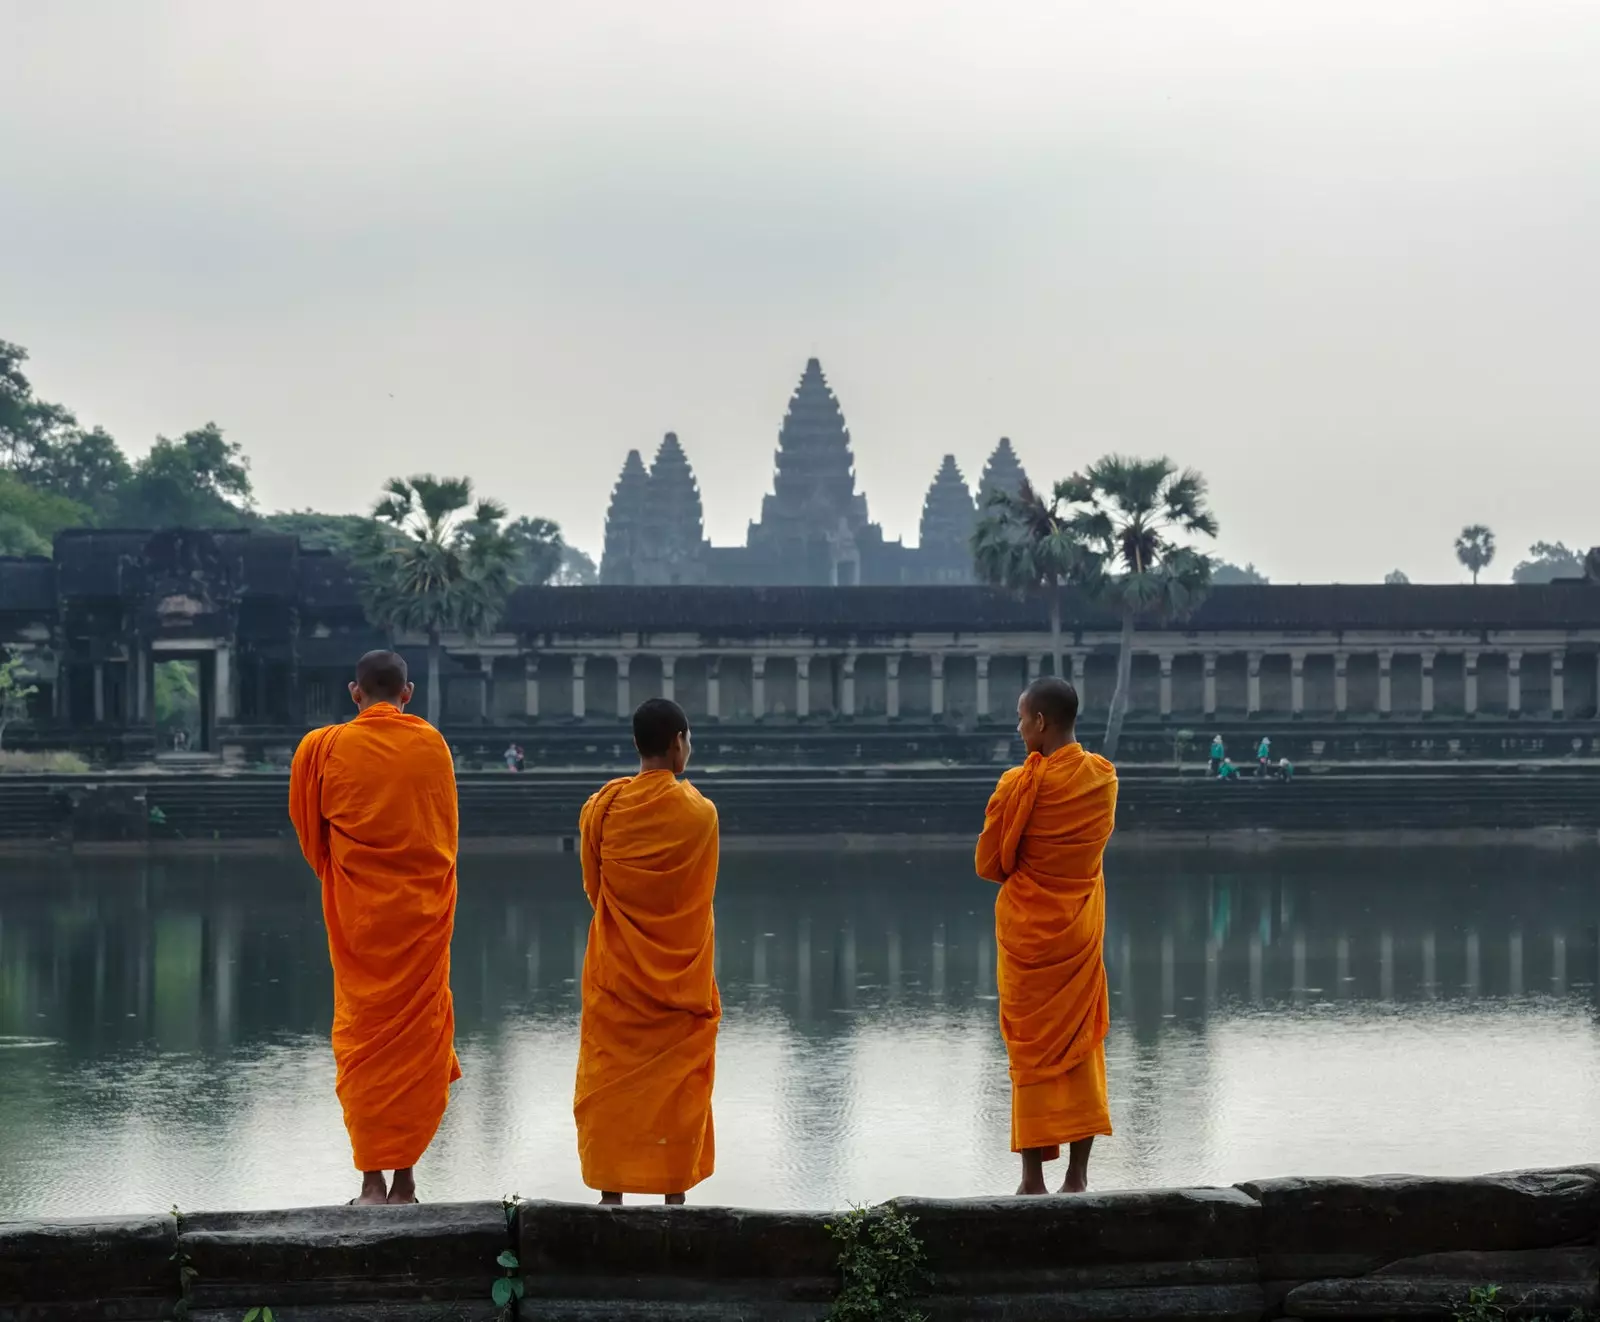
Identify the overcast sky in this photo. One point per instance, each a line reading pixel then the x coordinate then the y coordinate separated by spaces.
pixel 1342 255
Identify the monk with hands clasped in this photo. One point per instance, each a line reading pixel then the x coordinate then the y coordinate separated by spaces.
pixel 1044 833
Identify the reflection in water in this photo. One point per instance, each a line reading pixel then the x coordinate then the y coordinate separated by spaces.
pixel 163 1027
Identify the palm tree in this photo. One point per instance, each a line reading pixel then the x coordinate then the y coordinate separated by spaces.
pixel 1131 514
pixel 1022 543
pixel 435 563
pixel 1475 548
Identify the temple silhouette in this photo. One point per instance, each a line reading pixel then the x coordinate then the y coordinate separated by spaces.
pixel 814 529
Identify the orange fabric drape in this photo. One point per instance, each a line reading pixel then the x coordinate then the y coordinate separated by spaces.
pixel 374 804
pixel 1044 835
pixel 648 1038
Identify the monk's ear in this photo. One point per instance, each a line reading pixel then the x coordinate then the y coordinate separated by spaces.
pixel 355 693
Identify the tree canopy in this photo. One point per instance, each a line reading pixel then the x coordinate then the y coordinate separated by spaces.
pixel 1548 561
pixel 1475 548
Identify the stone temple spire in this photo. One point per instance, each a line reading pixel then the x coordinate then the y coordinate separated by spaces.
pixel 814 485
pixel 948 513
pixel 625 522
pixel 1003 472
pixel 674 521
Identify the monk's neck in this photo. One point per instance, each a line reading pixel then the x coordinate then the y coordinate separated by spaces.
pixel 646 767
pixel 1050 747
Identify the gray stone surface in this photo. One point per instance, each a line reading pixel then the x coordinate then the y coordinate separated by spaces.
pixel 1312 1228
pixel 1225 1303
pixel 70 1269
pixel 1554 1282
pixel 442 1254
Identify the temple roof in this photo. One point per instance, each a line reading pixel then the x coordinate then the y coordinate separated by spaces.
pixel 673 515
pixel 1003 472
pixel 948 512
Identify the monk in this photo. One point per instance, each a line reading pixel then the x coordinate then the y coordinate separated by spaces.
pixel 1044 833
pixel 374 804
pixel 647 1041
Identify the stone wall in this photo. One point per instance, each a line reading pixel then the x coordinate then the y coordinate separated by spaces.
pixel 1396 1246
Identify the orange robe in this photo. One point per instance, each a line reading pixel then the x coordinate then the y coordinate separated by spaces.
pixel 648 1039
pixel 1044 834
pixel 374 804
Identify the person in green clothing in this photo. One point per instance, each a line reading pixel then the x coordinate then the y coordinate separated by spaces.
pixel 1218 753
pixel 1285 769
pixel 1227 771
pixel 1263 756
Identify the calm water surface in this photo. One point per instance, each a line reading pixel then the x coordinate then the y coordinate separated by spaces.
pixel 163 1027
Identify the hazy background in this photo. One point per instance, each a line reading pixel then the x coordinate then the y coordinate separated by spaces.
pixel 1342 256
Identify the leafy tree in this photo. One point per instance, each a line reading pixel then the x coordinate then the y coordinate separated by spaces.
pixel 87 467
pixel 1224 574
pixel 1396 578
pixel 200 480
pixel 436 563
pixel 1548 561
pixel 28 426
pixel 15 690
pixel 18 537
pixel 578 569
pixel 539 550
pixel 1131 514
pixel 1024 543
pixel 1475 548
pixel 32 517
pixel 321 532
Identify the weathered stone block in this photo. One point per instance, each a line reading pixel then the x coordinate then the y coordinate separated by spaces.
pixel 1313 1228
pixel 1228 1303
pixel 79 1270
pixel 314 1261
pixel 659 1257
pixel 1552 1282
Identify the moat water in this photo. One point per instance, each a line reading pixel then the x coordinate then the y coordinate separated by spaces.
pixel 163 1026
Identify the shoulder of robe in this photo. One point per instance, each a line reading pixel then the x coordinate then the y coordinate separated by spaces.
pixel 1103 765
pixel 311 738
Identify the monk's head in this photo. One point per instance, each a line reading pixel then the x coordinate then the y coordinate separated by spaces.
pixel 661 734
pixel 381 677
pixel 1047 715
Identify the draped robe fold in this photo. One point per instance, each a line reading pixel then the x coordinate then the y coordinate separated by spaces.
pixel 373 802
pixel 1044 835
pixel 648 1035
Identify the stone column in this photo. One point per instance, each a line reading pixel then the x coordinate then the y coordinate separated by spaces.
pixel 1035 664
pixel 1513 683
pixel 1427 683
pixel 485 687
pixel 530 687
pixel 1385 680
pixel 1341 683
pixel 222 683
pixel 802 687
pixel 1253 684
pixel 936 664
pixel 758 687
pixel 983 688
pixel 99 692
pixel 713 688
pixel 891 665
pixel 1469 674
pixel 1080 678
pixel 624 688
pixel 141 680
pixel 847 686
pixel 1558 684
pixel 1297 683
pixel 1210 663
pixel 578 663
pixel 669 678
pixel 1166 685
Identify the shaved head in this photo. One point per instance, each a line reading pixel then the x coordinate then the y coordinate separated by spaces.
pixel 1055 700
pixel 382 675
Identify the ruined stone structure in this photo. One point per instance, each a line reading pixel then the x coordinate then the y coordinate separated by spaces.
pixel 814 529
pixel 273 630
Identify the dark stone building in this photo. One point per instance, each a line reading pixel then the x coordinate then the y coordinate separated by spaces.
pixel 814 529
pixel 270 632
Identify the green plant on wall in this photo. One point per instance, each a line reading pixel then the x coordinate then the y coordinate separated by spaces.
pixel 509 1287
pixel 187 1275
pixel 880 1266
pixel 258 1315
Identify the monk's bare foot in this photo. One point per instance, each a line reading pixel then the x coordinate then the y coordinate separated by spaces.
pixel 1032 1173
pixel 374 1192
pixel 404 1188
pixel 674 1200
pixel 1077 1180
pixel 610 1199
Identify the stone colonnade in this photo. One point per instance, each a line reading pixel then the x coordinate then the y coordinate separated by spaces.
pixel 575 681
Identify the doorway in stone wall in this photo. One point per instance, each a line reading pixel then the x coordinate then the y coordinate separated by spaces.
pixel 182 711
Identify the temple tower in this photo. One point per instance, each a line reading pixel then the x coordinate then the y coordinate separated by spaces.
pixel 625 522
pixel 673 521
pixel 948 518
pixel 814 525
pixel 1003 472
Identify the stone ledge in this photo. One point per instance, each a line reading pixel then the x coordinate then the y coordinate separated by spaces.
pixel 74 1269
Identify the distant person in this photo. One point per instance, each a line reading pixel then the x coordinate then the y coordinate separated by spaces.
pixel 647 1039
pixel 1044 833
pixel 1227 771
pixel 1263 756
pixel 374 804
pixel 1285 769
pixel 1218 752
pixel 510 757
pixel 522 759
